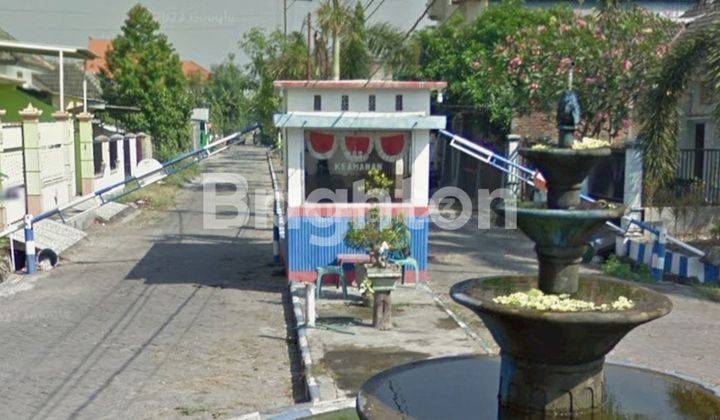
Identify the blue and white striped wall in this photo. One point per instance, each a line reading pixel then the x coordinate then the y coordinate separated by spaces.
pixel 674 262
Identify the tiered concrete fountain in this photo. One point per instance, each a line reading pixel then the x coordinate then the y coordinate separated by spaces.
pixel 552 362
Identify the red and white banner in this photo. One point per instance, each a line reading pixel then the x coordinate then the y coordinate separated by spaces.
pixel 321 145
pixel 391 146
pixel 357 147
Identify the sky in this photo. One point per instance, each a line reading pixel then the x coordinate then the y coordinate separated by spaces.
pixel 201 30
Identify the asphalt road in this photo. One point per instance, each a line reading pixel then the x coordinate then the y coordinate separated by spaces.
pixel 157 317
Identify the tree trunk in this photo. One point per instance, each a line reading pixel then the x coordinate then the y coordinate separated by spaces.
pixel 336 55
pixel 382 310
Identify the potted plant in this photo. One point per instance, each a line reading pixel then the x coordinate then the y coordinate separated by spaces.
pixel 377 277
pixel 377 185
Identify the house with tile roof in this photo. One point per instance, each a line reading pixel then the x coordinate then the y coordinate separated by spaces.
pixel 100 48
pixel 74 75
pixel 191 69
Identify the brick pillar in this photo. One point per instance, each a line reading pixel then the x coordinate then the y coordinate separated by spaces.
pixel 2 201
pixel 84 167
pixel 68 145
pixel 31 145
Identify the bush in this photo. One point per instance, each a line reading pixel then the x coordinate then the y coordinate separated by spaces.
pixel 617 267
pixel 715 232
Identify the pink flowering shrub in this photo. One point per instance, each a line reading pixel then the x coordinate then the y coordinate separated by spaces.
pixel 613 53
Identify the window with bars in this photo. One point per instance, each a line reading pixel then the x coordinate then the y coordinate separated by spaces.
pixel 371 103
pixel 317 103
pixel 344 103
pixel 398 102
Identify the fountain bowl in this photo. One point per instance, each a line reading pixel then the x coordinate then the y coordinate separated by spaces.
pixel 564 170
pixel 560 238
pixel 552 362
pixel 559 227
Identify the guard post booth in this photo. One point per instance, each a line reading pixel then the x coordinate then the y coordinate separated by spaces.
pixel 333 133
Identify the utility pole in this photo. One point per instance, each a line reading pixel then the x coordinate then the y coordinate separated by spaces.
pixel 336 43
pixel 285 7
pixel 309 40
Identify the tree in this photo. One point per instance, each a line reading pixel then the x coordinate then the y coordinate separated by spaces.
pixel 464 56
pixel 333 17
pixel 613 53
pixel 389 48
pixel 513 61
pixel 144 71
pixel 355 57
pixel 694 56
pixel 227 96
pixel 272 58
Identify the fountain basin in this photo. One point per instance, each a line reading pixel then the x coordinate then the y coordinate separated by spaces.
pixel 552 362
pixel 564 170
pixel 465 387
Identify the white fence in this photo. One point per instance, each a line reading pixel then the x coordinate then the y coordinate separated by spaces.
pixel 58 165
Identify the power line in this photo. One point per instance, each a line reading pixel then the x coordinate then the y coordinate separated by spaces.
pixel 407 35
pixel 376 9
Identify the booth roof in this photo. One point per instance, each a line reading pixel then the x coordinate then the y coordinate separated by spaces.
pixel 360 120
pixel 359 84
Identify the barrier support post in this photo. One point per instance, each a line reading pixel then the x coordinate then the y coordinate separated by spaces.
pixel 310 304
pixel 276 238
pixel 30 259
pixel 658 260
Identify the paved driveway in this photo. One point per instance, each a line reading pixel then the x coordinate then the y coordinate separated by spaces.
pixel 153 319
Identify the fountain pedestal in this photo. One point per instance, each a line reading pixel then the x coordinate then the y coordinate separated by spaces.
pixel 550 389
pixel 559 268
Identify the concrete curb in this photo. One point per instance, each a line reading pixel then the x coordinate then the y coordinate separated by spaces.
pixel 300 411
pixel 296 291
pixel 472 334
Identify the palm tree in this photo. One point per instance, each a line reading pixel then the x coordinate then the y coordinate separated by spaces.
pixel 388 46
pixel 694 53
pixel 333 17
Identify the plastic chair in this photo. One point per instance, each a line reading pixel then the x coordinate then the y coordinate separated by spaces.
pixel 399 258
pixel 330 270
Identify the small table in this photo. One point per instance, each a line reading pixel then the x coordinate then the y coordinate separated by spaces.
pixel 353 259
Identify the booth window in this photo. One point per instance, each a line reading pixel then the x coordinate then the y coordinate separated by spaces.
pixel 371 103
pixel 97 158
pixel 340 160
pixel 344 103
pixel 398 102
pixel 317 103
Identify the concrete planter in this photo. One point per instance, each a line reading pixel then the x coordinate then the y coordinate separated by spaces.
pixel 383 283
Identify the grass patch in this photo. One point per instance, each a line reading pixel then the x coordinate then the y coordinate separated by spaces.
pixel 191 410
pixel 626 270
pixel 160 196
pixel 710 292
